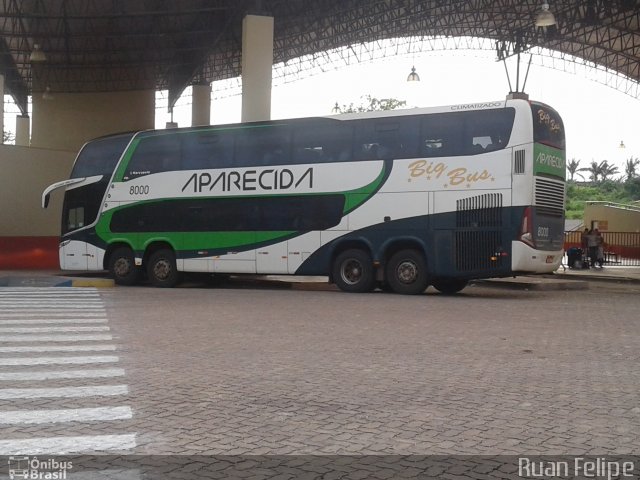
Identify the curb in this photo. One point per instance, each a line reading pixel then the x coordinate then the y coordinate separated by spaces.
pixel 534 283
pixel 93 282
pixel 55 281
pixel 603 278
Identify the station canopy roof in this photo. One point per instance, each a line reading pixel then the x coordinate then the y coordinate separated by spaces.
pixel 117 45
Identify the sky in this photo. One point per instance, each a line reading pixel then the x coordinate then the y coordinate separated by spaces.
pixel 597 118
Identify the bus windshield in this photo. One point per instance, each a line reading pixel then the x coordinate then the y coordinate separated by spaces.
pixel 100 157
pixel 547 126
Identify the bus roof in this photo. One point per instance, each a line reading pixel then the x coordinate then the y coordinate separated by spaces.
pixel 340 117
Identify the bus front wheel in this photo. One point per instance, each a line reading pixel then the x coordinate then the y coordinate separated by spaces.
pixel 161 268
pixel 406 272
pixel 353 271
pixel 122 266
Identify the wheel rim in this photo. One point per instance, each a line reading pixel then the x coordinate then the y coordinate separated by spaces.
pixel 407 272
pixel 122 267
pixel 351 271
pixel 162 269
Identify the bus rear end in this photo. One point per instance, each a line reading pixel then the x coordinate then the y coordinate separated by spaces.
pixel 538 247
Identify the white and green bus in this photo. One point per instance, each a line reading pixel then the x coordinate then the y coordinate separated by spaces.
pixel 398 199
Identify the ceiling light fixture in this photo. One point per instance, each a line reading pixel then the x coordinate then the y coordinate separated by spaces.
pixel 545 18
pixel 37 55
pixel 47 95
pixel 413 76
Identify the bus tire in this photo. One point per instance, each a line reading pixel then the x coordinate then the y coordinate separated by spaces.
pixel 406 272
pixel 161 268
pixel 450 286
pixel 122 266
pixel 353 271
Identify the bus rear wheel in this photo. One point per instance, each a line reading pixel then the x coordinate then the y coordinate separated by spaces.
pixel 122 266
pixel 449 286
pixel 353 271
pixel 406 272
pixel 161 268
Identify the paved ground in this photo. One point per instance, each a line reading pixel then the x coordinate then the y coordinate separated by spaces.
pixel 257 370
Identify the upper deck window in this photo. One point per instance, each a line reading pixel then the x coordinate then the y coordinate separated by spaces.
pixel 466 133
pixel 154 154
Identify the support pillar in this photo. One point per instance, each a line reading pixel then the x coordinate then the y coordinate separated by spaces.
pixel 201 105
pixel 23 130
pixel 2 113
pixel 257 62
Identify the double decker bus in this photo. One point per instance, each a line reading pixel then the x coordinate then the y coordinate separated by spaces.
pixel 399 199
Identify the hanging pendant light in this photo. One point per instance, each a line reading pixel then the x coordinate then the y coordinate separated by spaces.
pixel 545 18
pixel 37 55
pixel 413 76
pixel 47 95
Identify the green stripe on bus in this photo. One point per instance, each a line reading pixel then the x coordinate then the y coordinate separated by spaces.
pixel 227 240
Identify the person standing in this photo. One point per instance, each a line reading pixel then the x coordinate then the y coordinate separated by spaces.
pixel 583 240
pixel 592 245
pixel 600 247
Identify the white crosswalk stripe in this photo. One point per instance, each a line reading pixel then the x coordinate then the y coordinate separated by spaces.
pixel 56 338
pixel 64 392
pixel 52 335
pixel 64 445
pixel 61 374
pixel 61 321
pixel 13 417
pixel 58 360
pixel 59 348
pixel 51 329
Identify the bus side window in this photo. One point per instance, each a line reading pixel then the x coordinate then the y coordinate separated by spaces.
pixel 441 134
pixel 322 143
pixel 489 129
pixel 154 154
pixel 206 150
pixel 432 147
pixel 376 139
pixel 260 146
pixel 75 219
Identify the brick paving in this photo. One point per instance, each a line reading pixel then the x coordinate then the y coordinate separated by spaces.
pixel 257 371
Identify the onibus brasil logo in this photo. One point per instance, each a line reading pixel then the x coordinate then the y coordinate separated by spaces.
pixel 23 467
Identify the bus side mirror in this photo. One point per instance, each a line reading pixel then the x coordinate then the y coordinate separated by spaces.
pixel 45 200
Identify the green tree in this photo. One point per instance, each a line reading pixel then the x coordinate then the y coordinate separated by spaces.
pixel 606 170
pixel 630 168
pixel 370 104
pixel 632 188
pixel 593 170
pixel 573 168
